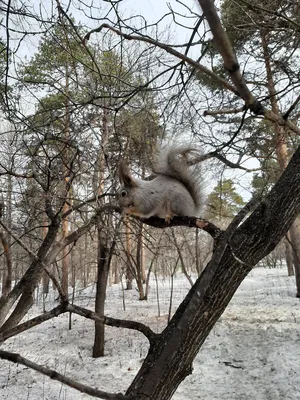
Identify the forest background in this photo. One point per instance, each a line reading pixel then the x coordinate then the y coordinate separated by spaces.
pixel 84 85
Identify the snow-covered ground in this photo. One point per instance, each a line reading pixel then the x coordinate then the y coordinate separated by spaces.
pixel 253 351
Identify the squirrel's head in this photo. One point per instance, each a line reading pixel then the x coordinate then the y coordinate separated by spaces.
pixel 125 194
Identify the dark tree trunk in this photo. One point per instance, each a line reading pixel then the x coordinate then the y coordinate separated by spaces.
pixel 7 275
pixel 295 239
pixel 102 276
pixel 105 254
pixel 171 354
pixel 139 262
pixel 289 255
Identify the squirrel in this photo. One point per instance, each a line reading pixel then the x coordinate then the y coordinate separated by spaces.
pixel 175 190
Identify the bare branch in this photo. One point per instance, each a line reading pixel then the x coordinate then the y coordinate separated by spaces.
pixel 168 49
pixel 190 222
pixel 223 159
pixel 17 359
pixel 118 323
pixel 32 322
pixel 224 111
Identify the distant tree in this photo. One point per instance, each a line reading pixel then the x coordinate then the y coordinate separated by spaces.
pixel 224 201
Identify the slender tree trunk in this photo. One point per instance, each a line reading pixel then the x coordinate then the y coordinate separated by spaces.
pixel 7 276
pixel 295 240
pixel 128 274
pixel 181 259
pixel 289 255
pixel 45 275
pixel 102 275
pixel 197 251
pixel 139 262
pixel 103 240
pixel 66 206
pixel 143 256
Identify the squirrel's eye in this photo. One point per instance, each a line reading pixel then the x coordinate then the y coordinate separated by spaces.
pixel 123 193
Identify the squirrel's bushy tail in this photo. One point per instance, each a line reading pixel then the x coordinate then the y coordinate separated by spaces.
pixel 177 162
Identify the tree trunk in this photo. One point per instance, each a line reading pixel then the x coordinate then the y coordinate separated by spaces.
pixel 103 239
pixel 171 353
pixel 289 255
pixel 128 273
pixel 7 275
pixel 139 262
pixel 66 206
pixel 46 278
pixel 102 275
pixel 282 158
pixel 295 240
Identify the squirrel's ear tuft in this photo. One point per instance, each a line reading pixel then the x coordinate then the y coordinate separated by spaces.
pixel 125 177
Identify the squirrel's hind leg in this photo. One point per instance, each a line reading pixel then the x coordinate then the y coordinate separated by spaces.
pixel 169 215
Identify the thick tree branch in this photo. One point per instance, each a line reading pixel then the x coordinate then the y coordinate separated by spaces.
pixel 17 359
pixel 190 222
pixel 55 312
pixel 224 111
pixel 118 323
pixel 225 49
pixel 66 307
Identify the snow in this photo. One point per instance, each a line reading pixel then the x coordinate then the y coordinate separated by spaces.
pixel 253 351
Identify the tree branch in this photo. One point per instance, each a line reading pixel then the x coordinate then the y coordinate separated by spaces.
pixel 169 50
pixel 118 323
pixel 223 159
pixel 55 312
pixel 190 222
pixel 17 359
pixel 224 111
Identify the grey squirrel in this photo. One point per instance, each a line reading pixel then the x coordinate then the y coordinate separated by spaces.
pixel 175 190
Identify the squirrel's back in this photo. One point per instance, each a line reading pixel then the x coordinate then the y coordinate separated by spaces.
pixel 177 162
